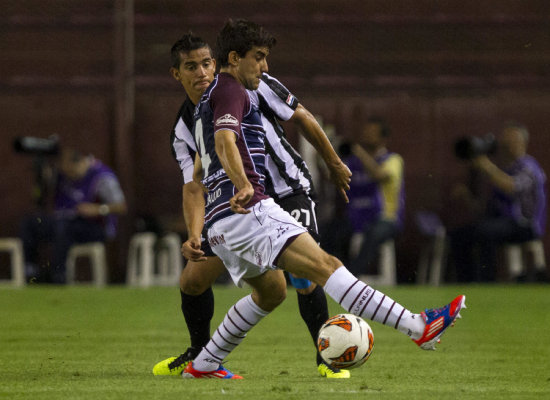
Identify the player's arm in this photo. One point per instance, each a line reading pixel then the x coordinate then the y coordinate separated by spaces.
pixel 498 177
pixel 375 170
pixel 193 213
pixel 111 196
pixel 340 174
pixel 232 163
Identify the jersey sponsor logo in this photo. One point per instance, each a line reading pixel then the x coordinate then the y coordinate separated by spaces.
pixel 227 119
pixel 213 196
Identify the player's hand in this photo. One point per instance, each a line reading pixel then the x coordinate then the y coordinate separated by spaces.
pixel 241 199
pixel 340 175
pixel 191 249
pixel 88 209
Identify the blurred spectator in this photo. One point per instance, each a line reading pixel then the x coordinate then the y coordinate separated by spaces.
pixel 514 213
pixel 87 200
pixel 377 197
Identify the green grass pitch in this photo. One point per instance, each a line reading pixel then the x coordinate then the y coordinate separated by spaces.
pixel 86 343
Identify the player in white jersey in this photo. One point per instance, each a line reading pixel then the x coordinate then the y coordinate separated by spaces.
pixel 287 176
pixel 260 239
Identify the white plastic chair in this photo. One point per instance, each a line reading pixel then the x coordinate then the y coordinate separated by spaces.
pixel 95 252
pixel 141 259
pixel 169 260
pixel 14 247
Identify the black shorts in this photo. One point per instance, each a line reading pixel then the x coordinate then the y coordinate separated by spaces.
pixel 302 209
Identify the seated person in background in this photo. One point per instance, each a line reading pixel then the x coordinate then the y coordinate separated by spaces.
pixel 87 200
pixel 377 196
pixel 516 209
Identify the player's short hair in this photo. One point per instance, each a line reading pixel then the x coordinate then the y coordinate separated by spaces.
pixel 184 45
pixel 381 122
pixel 240 36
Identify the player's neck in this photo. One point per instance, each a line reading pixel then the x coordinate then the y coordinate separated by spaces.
pixel 231 70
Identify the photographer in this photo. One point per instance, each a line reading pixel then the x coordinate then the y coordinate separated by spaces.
pixel 515 211
pixel 87 200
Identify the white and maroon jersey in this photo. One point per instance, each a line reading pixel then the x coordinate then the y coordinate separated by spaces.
pixel 287 173
pixel 226 105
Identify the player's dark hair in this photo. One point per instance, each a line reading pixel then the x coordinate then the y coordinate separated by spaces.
pixel 381 122
pixel 241 36
pixel 185 44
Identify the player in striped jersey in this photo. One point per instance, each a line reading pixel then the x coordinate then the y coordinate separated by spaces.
pixel 287 180
pixel 260 239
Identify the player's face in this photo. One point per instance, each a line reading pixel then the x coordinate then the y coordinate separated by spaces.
pixel 512 143
pixel 252 66
pixel 371 135
pixel 196 72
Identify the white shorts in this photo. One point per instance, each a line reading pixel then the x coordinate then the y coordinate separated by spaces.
pixel 249 244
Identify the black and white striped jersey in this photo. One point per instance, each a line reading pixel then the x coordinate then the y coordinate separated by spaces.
pixel 287 173
pixel 182 142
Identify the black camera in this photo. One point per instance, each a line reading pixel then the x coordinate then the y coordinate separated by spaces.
pixel 470 147
pixel 37 146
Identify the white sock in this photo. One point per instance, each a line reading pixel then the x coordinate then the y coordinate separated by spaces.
pixel 240 318
pixel 362 300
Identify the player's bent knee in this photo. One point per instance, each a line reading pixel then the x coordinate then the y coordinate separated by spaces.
pixel 198 277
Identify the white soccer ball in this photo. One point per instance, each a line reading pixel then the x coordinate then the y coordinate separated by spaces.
pixel 345 341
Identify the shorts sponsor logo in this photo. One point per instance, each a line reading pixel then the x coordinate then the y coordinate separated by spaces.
pixel 258 257
pixel 216 240
pixel 281 230
pixel 227 119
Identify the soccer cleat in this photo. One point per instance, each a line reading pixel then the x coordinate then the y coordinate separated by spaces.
pixel 220 373
pixel 327 371
pixel 174 365
pixel 439 319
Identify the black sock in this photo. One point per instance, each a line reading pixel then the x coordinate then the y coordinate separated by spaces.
pixel 314 312
pixel 198 311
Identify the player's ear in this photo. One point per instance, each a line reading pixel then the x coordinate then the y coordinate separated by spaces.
pixel 175 73
pixel 233 58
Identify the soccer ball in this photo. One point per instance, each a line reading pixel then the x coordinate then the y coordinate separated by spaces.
pixel 345 341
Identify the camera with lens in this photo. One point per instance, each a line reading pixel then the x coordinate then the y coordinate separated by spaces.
pixel 37 146
pixel 469 147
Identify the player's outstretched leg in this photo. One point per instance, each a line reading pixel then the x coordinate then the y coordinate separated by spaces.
pixel 439 319
pixel 305 258
pixel 360 299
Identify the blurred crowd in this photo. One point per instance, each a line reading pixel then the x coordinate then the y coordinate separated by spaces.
pixel 501 205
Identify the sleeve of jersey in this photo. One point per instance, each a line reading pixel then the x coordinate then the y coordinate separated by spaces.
pixel 394 166
pixel 183 152
pixel 228 107
pixel 278 97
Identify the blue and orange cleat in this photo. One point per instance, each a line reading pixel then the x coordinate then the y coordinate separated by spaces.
pixel 439 319
pixel 220 373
